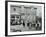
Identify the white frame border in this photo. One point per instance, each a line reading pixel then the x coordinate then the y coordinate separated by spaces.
pixel 30 32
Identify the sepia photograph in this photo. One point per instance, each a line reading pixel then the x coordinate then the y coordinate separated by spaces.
pixel 25 18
